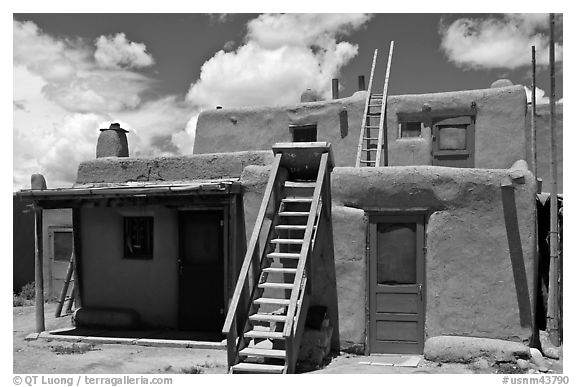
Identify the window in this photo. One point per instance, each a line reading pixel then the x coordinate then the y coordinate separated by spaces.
pixel 452 137
pixel 138 237
pixel 410 129
pixel 303 133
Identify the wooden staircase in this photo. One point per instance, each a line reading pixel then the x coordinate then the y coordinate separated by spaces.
pixel 372 132
pixel 263 331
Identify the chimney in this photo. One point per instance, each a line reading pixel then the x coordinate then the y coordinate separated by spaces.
pixel 112 142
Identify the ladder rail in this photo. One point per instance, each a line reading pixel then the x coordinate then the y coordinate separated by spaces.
pixel 366 107
pixel 64 292
pixel 383 112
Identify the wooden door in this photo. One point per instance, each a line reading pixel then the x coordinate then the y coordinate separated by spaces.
pixel 201 271
pixel 396 284
pixel 453 142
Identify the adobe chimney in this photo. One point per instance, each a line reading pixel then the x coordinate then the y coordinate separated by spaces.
pixel 112 142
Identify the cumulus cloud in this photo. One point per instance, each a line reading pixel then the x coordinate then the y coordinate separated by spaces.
pixel 281 57
pixel 62 95
pixel 117 51
pixel 497 42
pixel 74 79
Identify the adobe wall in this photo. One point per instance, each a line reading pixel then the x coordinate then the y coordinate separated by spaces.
pixel 479 263
pixel 500 138
pixel 226 130
pixel 150 287
pixel 183 168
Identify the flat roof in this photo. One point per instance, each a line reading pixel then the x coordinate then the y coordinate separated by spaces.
pixel 133 189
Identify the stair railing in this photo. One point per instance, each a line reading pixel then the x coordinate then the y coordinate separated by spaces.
pixel 236 318
pixel 295 322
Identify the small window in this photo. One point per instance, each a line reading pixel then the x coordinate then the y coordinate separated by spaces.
pixel 410 129
pixel 138 237
pixel 303 133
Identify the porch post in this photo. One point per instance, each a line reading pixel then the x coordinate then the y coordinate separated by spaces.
pixel 38 272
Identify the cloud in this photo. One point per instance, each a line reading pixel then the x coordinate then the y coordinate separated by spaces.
pixel 497 42
pixel 541 99
pixel 281 57
pixel 73 78
pixel 62 96
pixel 117 51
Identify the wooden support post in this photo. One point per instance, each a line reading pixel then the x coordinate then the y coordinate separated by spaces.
pixel 533 115
pixel 552 315
pixel 39 270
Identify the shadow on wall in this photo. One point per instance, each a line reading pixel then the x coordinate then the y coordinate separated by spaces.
pixel 516 254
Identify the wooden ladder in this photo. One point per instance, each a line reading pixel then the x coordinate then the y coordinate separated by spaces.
pixel 370 146
pixel 65 296
pixel 265 337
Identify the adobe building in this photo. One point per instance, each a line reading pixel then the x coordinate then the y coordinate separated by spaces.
pixel 257 228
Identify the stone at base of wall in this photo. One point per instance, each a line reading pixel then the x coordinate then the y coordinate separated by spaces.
pixel 315 345
pixel 457 349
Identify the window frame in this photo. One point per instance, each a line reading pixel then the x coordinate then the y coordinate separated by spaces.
pixel 129 221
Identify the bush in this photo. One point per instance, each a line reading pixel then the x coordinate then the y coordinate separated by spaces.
pixel 26 295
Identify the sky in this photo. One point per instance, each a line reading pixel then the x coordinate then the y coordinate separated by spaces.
pixel 154 73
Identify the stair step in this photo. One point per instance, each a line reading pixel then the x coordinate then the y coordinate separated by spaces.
pixel 287 241
pixel 297 200
pixel 280 270
pixel 300 184
pixel 284 255
pixel 275 285
pixel 290 227
pixel 293 213
pixel 258 368
pixel 267 317
pixel 272 301
pixel 263 352
pixel 263 335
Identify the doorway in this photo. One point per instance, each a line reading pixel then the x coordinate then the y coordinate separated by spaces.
pixel 396 284
pixel 201 271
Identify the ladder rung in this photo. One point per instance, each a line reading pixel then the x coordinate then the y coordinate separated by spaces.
pixel 280 270
pixel 263 352
pixel 287 241
pixel 284 255
pixel 258 368
pixel 272 301
pixel 297 200
pixel 371 138
pixel 379 105
pixel 300 184
pixel 372 127
pixel 293 213
pixel 263 335
pixel 267 317
pixel 367 161
pixel 369 149
pixel 290 227
pixel 275 285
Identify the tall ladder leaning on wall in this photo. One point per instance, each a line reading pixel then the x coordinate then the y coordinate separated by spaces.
pixel 368 144
pixel 66 296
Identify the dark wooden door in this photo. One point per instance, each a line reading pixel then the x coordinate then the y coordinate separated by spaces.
pixel 201 271
pixel 453 142
pixel 396 284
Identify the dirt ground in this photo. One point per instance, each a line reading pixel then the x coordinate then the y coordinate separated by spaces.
pixel 50 357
